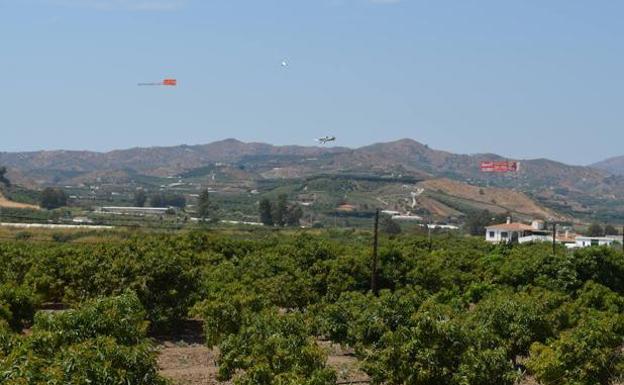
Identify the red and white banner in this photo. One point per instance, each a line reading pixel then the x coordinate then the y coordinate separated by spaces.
pixel 504 166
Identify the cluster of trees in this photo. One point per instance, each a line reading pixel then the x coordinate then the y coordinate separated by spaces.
pixel 456 312
pixel 596 230
pixel 477 221
pixel 53 198
pixel 389 226
pixel 206 208
pixel 101 342
pixel 279 213
pixel 166 199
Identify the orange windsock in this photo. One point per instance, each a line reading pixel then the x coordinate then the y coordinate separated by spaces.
pixel 170 82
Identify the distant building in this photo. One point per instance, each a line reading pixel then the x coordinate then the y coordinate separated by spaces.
pixel 582 241
pixel 345 208
pixel 434 226
pixel 135 210
pixel 406 218
pixel 516 232
pixel 81 220
pixel 536 232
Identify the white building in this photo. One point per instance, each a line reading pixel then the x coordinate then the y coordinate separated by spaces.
pixel 582 241
pixel 516 232
pixel 135 210
pixel 522 233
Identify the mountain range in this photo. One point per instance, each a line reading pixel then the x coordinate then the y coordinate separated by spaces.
pixel 613 165
pixel 592 191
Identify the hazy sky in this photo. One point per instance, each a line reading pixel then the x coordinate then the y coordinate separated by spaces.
pixel 523 78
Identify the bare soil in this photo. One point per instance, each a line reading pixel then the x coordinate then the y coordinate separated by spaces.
pixel 185 360
pixel 504 198
pixel 192 364
pixel 14 205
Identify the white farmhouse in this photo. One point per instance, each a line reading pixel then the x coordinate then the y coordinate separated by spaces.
pixel 516 232
pixel 521 233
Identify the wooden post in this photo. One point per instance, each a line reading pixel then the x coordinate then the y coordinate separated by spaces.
pixel 375 243
pixel 554 239
pixel 429 229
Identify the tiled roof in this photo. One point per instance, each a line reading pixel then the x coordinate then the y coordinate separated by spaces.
pixel 511 227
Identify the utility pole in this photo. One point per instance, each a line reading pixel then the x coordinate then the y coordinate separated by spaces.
pixel 429 235
pixel 554 239
pixel 374 267
pixel 622 238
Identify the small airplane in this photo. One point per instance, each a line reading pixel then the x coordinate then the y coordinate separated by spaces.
pixel 326 139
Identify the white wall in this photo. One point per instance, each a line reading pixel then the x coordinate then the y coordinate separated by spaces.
pixel 497 235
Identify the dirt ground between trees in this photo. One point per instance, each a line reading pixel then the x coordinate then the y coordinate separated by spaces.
pixel 194 364
pixel 185 360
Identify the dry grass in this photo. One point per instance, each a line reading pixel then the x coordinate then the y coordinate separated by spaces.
pixel 14 205
pixel 508 199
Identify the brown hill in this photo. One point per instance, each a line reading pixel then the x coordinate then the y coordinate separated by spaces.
pixel 571 190
pixel 5 203
pixel 613 165
pixel 497 200
pixel 159 161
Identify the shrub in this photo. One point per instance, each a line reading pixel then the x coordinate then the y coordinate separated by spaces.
pixel 588 354
pixel 102 342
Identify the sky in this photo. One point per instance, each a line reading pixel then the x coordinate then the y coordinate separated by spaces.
pixel 521 78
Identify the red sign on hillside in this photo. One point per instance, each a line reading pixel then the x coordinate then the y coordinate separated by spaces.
pixel 504 166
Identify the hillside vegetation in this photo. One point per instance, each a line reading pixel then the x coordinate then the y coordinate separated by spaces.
pixel 231 166
pixel 456 312
pixel 4 202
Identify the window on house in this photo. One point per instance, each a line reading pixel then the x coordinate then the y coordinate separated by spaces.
pixel 491 234
pixel 504 235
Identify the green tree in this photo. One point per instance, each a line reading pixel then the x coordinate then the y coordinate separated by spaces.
pixel 280 210
pixel 595 230
pixel 293 215
pixel 53 198
pixel 274 349
pixel 205 207
pixel 514 321
pixel 477 221
pixel 433 347
pixel 20 304
pixel 610 230
pixel 390 226
pixel 163 199
pixel 266 212
pixel 102 342
pixel 140 198
pixel 589 354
